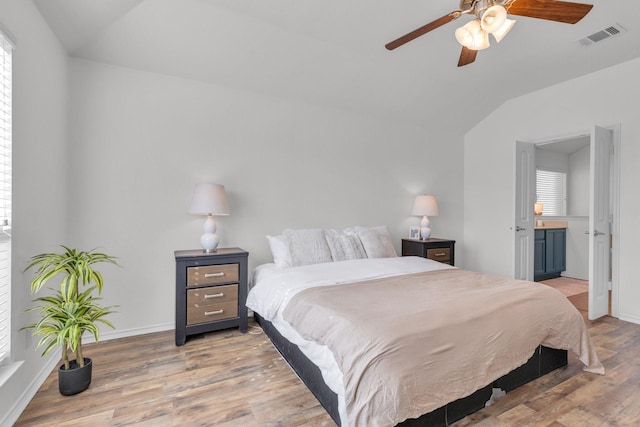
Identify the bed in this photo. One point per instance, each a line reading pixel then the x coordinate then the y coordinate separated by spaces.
pixel 387 340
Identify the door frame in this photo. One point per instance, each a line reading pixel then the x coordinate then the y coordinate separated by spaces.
pixel 615 217
pixel 614 203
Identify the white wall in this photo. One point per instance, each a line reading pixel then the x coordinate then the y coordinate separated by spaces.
pixel 578 183
pixel 551 160
pixel 39 181
pixel 142 141
pixel 604 98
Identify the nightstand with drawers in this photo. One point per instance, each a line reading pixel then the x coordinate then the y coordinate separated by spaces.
pixel 211 291
pixel 441 250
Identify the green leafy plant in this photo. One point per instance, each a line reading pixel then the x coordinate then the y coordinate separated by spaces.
pixel 67 314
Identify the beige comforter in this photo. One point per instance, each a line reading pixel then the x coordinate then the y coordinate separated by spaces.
pixel 409 344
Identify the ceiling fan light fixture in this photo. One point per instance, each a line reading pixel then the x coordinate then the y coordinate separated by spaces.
pixel 466 34
pixel 480 41
pixel 464 37
pixel 472 36
pixel 502 31
pixel 493 18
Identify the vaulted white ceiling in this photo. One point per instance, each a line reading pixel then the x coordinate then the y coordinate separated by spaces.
pixel 332 53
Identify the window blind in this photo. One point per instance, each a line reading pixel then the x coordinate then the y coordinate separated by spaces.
pixel 551 190
pixel 6 51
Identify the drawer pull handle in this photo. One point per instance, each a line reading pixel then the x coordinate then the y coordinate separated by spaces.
pixel 440 254
pixel 220 295
pixel 208 275
pixel 211 313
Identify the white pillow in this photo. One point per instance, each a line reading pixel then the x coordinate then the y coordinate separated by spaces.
pixel 376 241
pixel 280 251
pixel 344 246
pixel 307 246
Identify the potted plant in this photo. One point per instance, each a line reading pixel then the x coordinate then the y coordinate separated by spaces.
pixel 71 311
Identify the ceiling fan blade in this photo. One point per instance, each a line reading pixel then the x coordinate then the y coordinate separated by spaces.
pixel 551 10
pixel 467 56
pixel 423 30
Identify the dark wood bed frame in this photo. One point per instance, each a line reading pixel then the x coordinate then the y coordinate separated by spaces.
pixel 543 361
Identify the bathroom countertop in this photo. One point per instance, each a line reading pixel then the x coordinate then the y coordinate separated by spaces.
pixel 542 224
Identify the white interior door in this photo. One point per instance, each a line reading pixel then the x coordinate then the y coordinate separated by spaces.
pixel 599 222
pixel 524 217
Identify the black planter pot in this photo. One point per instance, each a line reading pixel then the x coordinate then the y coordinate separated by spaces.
pixel 75 379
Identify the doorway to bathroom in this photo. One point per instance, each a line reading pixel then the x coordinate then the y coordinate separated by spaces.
pixel 580 239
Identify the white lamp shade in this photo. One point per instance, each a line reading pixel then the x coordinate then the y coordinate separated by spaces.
pixel 537 208
pixel 425 205
pixel 209 199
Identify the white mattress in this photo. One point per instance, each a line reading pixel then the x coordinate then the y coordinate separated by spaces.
pixel 273 288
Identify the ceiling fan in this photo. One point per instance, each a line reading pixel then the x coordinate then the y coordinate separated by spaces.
pixel 491 18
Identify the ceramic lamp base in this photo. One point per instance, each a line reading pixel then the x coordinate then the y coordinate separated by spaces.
pixel 425 231
pixel 209 240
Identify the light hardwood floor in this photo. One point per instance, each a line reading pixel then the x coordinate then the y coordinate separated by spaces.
pixel 231 379
pixel 567 285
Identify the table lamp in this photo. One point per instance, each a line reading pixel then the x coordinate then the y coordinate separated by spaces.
pixel 209 199
pixel 425 206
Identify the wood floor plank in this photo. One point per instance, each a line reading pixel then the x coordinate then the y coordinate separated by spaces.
pixel 153 413
pixel 230 379
pixel 583 418
pixel 517 416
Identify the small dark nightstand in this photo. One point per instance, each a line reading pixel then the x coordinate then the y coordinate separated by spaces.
pixel 211 291
pixel 441 250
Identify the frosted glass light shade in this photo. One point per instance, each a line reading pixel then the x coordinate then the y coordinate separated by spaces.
pixel 481 41
pixel 502 31
pixel 472 36
pixel 493 18
pixel 465 34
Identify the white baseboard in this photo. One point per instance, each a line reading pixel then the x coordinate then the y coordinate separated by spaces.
pixel 574 275
pixel 627 318
pixel 110 334
pixel 31 390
